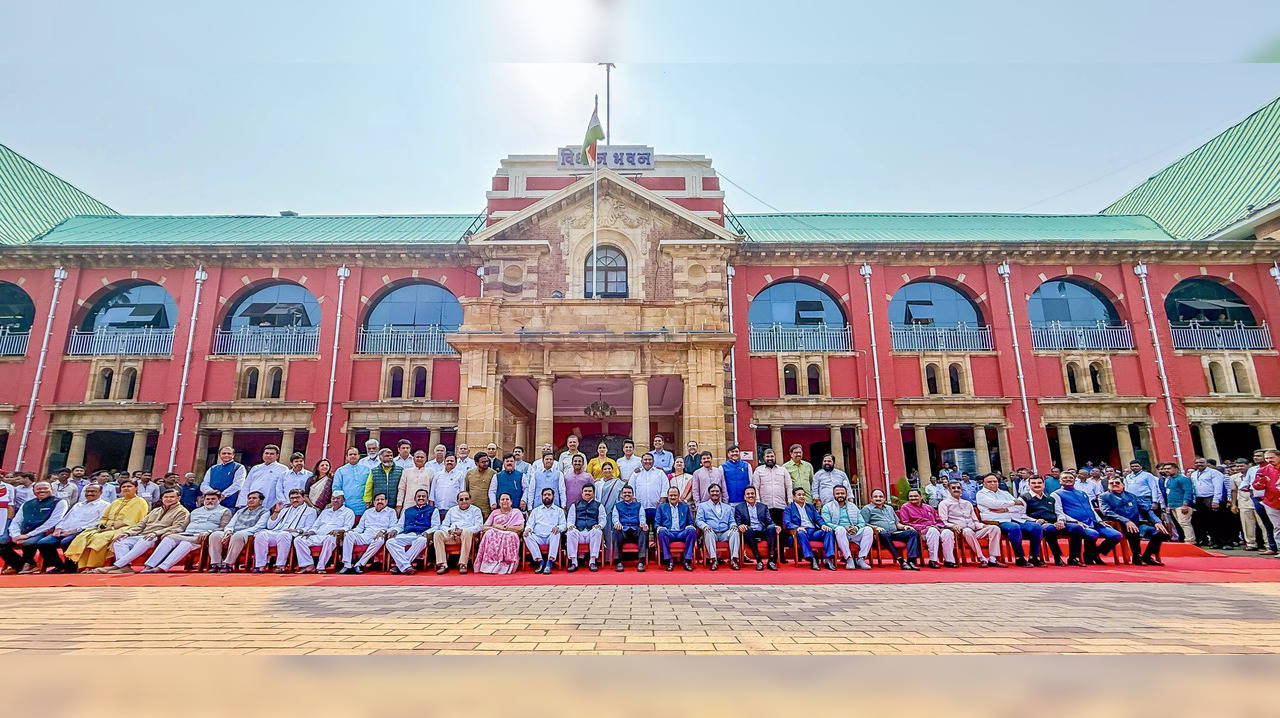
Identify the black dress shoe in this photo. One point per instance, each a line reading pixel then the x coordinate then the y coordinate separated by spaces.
pixel 949 564
pixel 640 567
pixel 902 564
pixel 688 565
pixel 1057 561
pixel 933 564
pixel 733 564
pixel 1037 562
pixel 1074 562
pixel 829 564
pixel 759 566
pixel 813 563
pixel 773 566
pixel 592 567
pixel 358 569
pixel 573 566
pixel 1020 562
pixel 1152 561
pixel 671 565
pixel 714 564
pixel 618 567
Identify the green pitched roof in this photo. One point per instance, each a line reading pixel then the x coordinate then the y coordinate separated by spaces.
pixel 918 227
pixel 32 199
pixel 257 230
pixel 1215 185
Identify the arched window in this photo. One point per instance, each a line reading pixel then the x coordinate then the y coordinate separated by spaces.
pixel 1206 302
pixel 814 379
pixel 933 303
pixel 609 274
pixel 395 383
pixel 1070 303
pixel 1217 378
pixel 250 388
pixel 132 306
pixel 1073 378
pixel 275 382
pixel 420 383
pixel 793 303
pixel 954 374
pixel 1095 378
pixel 931 378
pixel 418 305
pixel 281 305
pixel 1241 375
pixel 128 383
pixel 790 380
pixel 17 312
pixel 104 383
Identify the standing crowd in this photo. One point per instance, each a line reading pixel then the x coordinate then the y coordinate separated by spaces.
pixel 491 511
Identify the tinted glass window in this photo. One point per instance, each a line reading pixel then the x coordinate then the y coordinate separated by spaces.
pixel 610 274
pixel 932 303
pixel 1070 304
pixel 416 306
pixel 136 306
pixel 275 306
pixel 794 304
pixel 1207 302
pixel 17 312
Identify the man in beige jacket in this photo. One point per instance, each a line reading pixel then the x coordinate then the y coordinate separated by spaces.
pixel 170 517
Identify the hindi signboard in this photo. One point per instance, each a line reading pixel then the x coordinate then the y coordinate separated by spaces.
pixel 619 158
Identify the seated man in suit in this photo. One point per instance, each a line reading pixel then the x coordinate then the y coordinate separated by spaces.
pixel 1083 527
pixel 675 523
pixel 715 520
pixel 1137 519
pixel 801 517
pixel 756 525
pixel 628 521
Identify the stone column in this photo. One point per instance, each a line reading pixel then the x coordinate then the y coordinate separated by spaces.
pixel 1148 442
pixel 922 453
pixel 1124 442
pixel 640 410
pixel 860 461
pixel 1266 439
pixel 75 455
pixel 1066 447
pixel 1208 444
pixel 775 442
pixel 199 462
pixel 982 448
pixel 376 435
pixel 286 445
pixel 138 450
pixel 433 440
pixel 544 425
pixel 521 425
pixel 1002 439
pixel 227 438
pixel 837 447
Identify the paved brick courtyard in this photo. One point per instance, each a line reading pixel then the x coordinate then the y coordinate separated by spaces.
pixel 962 618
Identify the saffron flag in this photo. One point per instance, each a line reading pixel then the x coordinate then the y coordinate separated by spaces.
pixel 594 134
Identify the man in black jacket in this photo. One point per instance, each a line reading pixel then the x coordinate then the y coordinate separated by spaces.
pixel 755 524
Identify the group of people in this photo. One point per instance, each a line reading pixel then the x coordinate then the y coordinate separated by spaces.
pixel 488 511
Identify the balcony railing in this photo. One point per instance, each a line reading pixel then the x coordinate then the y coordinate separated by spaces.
pixel 264 340
pixel 13 344
pixel 1195 335
pixel 1056 337
pixel 926 338
pixel 110 342
pixel 391 340
pixel 820 338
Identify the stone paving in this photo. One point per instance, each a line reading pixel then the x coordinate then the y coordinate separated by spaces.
pixel 877 619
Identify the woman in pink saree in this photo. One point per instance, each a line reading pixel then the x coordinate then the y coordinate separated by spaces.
pixel 500 539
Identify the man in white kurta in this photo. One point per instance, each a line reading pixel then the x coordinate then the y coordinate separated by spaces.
pixel 295 478
pixel 203 520
pixel 334 520
pixel 447 484
pixel 586 522
pixel 376 526
pixel 413 533
pixel 650 486
pixel 459 525
pixel 545 524
pixel 283 525
pixel 264 478
pixel 226 543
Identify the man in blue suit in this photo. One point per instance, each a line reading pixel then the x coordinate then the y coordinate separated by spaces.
pixel 801 517
pixel 675 523
pixel 755 524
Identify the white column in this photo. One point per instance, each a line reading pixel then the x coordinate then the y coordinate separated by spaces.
pixel 1124 443
pixel 837 446
pixel 922 453
pixel 138 450
pixel 1067 448
pixel 544 426
pixel 981 448
pixel 640 410
pixel 75 455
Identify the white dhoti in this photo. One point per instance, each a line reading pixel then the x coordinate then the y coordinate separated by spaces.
pixel 946 538
pixel 710 537
pixel 302 546
pixel 534 542
pixel 169 552
pixel 263 541
pixel 405 548
pixel 130 547
pixel 352 539
pixel 845 541
pixel 575 538
pixel 225 546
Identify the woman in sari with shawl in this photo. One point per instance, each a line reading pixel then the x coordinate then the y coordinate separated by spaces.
pixel 500 539
pixel 319 487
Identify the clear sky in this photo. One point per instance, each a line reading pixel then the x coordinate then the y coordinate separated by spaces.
pixel 406 107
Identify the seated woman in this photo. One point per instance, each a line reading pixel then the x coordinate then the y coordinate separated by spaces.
pixel 500 539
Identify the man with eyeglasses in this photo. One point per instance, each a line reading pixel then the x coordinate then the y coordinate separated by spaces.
pixel 1137 520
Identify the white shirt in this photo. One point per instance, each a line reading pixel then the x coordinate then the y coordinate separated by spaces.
pixel 293 519
pixel 456 518
pixel 544 518
pixel 825 482
pixel 149 491
pixel 83 514
pixel 341 520
pixel 59 510
pixel 1092 487
pixel 370 460
pixel 628 466
pixel 287 482
pixel 566 462
pixel 469 463
pixel 68 492
pixel 446 486
pixel 373 521
pixel 403 462
pixel 988 499
pixel 436 467
pixel 805 523
pixel 263 478
pixel 650 487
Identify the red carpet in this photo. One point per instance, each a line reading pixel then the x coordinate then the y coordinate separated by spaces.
pixel 1205 568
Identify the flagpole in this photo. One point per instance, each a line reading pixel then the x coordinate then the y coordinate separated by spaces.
pixel 595 245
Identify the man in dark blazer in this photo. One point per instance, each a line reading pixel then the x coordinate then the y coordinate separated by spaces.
pixel 755 524
pixel 801 517
pixel 674 522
